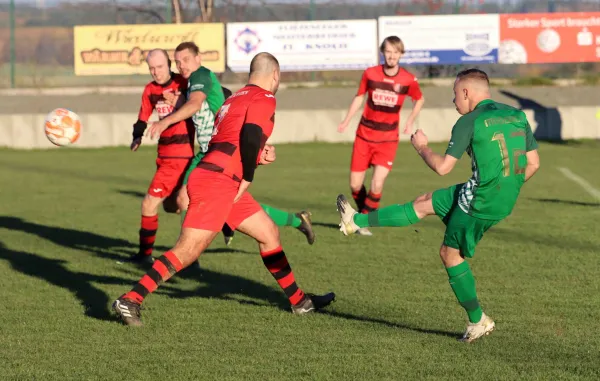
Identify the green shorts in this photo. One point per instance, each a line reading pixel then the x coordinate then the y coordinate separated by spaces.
pixel 193 164
pixel 463 231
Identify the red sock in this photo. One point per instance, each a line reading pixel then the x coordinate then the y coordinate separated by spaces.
pixel 148 234
pixel 277 264
pixel 359 197
pixel 162 269
pixel 371 202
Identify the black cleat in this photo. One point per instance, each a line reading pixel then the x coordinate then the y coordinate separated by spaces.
pixel 228 234
pixel 306 226
pixel 140 258
pixel 313 303
pixel 128 311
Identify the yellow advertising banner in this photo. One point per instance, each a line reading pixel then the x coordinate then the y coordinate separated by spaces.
pixel 122 49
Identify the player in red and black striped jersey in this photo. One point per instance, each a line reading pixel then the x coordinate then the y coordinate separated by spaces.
pixel 386 87
pixel 175 148
pixel 218 194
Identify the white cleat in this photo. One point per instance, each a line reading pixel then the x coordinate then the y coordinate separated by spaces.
pixel 364 231
pixel 476 330
pixel 347 212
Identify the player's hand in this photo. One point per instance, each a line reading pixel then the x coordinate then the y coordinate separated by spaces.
pixel 171 97
pixel 409 127
pixel 155 129
pixel 342 127
pixel 244 185
pixel 135 144
pixel 419 140
pixel 268 155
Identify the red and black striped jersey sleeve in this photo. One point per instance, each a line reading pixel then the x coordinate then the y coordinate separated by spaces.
pixel 146 107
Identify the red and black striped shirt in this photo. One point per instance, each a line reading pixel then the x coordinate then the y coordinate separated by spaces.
pixel 177 140
pixel 249 105
pixel 385 96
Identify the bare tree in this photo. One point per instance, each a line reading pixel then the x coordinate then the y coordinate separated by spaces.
pixel 206 10
pixel 177 9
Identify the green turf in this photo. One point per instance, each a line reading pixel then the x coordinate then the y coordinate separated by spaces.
pixel 69 215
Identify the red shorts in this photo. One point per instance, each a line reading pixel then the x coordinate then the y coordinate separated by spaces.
pixel 211 202
pixel 168 177
pixel 366 154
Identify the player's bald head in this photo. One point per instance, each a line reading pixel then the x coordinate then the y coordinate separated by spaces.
pixel 263 64
pixel 473 78
pixel 158 54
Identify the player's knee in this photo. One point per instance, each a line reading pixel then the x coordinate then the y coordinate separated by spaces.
pixel 450 256
pixel 423 205
pixel 150 205
pixel 182 200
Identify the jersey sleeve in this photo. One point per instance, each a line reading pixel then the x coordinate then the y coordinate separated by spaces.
pixel 146 108
pixel 200 81
pixel 530 142
pixel 362 88
pixel 414 90
pixel 262 113
pixel 462 134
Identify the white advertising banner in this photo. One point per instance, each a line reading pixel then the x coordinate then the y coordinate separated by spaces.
pixel 445 40
pixel 304 45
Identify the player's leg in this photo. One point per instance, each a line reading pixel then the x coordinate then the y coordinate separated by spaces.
pixel 208 211
pixel 383 156
pixel 300 221
pixel 183 199
pixel 463 232
pixel 249 218
pixel 440 203
pixel 359 163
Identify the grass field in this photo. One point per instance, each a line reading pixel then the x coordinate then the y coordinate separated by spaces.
pixel 68 216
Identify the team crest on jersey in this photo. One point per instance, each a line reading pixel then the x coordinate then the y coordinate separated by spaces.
pixel 397 87
pixel 247 40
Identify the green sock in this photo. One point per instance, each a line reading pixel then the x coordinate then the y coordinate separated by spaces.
pixel 463 284
pixel 282 218
pixel 393 215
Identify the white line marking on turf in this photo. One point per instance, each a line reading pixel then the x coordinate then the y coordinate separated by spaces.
pixel 582 183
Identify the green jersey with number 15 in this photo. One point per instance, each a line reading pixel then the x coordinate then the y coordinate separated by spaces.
pixel 205 81
pixel 496 137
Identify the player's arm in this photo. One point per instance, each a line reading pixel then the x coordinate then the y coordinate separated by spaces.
pixel 414 91
pixel 139 127
pixel 189 108
pixel 442 165
pixel 257 125
pixel 533 158
pixel 356 103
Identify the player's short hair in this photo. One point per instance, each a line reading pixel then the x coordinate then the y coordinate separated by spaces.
pixel 189 45
pixel 475 74
pixel 162 51
pixel 263 63
pixel 395 41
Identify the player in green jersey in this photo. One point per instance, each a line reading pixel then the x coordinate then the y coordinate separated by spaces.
pixel 503 154
pixel 204 97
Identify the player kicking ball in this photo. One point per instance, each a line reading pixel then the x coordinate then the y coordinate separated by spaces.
pixel 218 192
pixel 504 156
pixel 386 87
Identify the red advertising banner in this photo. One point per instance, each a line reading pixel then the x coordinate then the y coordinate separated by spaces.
pixel 549 38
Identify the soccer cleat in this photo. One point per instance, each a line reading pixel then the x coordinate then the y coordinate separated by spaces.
pixel 312 303
pixel 306 226
pixel 228 234
pixel 347 212
pixel 364 231
pixel 128 311
pixel 141 258
pixel 476 330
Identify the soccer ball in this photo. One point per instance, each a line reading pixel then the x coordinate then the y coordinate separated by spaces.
pixel 62 127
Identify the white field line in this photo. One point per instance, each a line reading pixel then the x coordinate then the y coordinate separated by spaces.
pixel 581 182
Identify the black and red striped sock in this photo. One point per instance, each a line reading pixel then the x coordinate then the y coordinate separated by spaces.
pixel 359 197
pixel 371 202
pixel 162 270
pixel 148 234
pixel 277 264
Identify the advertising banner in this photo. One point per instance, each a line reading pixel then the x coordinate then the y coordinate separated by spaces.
pixel 122 49
pixel 549 38
pixel 304 45
pixel 444 40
